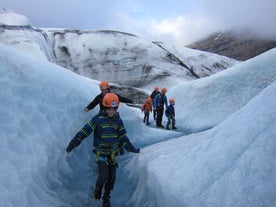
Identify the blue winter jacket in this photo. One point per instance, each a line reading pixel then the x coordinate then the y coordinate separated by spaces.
pixel 160 100
pixel 170 110
pixel 109 135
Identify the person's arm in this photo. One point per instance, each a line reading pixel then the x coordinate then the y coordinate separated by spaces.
pixel 93 103
pixel 156 100
pixel 152 95
pixel 124 99
pixel 173 112
pixel 166 101
pixel 167 111
pixel 144 107
pixel 81 135
pixel 128 146
pixel 151 107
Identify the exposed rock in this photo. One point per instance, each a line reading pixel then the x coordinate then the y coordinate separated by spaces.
pixel 238 45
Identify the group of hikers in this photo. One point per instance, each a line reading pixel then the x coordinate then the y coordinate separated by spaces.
pixel 110 137
pixel 155 103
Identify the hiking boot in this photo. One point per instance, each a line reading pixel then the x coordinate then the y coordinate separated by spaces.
pixel 98 192
pixel 168 128
pixel 174 127
pixel 106 201
pixel 161 126
pixel 106 196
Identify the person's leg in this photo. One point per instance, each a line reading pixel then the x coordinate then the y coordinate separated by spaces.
pixel 173 123
pixel 147 118
pixel 102 178
pixel 168 123
pixel 144 120
pixel 110 183
pixel 158 117
pixel 161 116
pixel 111 175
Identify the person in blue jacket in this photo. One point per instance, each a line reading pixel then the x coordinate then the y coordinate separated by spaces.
pixel 158 104
pixel 109 136
pixel 170 114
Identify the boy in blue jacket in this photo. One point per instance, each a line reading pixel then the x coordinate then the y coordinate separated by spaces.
pixel 109 136
pixel 170 114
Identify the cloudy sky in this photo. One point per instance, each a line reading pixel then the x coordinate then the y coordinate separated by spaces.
pixel 173 21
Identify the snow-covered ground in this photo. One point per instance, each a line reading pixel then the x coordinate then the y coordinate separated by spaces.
pixel 231 164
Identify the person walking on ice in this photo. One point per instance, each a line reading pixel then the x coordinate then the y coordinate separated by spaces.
pixel 170 114
pixel 109 136
pixel 105 88
pixel 147 108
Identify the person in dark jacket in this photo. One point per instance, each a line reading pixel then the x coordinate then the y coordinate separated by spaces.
pixel 170 114
pixel 105 88
pixel 109 135
pixel 159 102
pixel 152 96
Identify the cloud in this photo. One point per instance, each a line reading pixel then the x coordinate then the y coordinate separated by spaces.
pixel 206 17
pixel 180 30
pixel 257 15
pixel 175 21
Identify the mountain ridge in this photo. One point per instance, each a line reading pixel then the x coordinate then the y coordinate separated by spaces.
pixel 238 44
pixel 98 54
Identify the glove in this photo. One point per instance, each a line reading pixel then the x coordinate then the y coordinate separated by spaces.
pixel 69 148
pixel 122 151
pixel 136 151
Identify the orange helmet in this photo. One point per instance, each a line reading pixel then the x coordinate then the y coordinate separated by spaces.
pixel 171 101
pixel 149 100
pixel 104 85
pixel 156 88
pixel 164 90
pixel 111 100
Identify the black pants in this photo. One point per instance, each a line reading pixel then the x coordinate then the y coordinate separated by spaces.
pixel 146 117
pixel 154 114
pixel 107 174
pixel 171 120
pixel 159 111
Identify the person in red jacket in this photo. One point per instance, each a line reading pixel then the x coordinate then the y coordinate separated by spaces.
pixel 147 108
